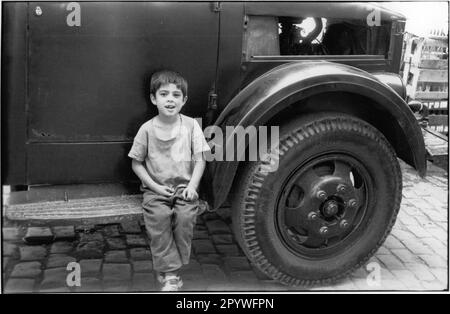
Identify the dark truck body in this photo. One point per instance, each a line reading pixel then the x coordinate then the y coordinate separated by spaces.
pixel 73 97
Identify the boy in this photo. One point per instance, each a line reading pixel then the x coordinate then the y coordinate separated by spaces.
pixel 167 155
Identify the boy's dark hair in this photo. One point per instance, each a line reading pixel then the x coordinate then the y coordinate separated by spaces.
pixel 168 77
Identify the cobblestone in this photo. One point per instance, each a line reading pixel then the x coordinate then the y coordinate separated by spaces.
pixel 111 231
pixel 38 235
pixel 10 250
pixel 116 244
pixel 89 284
pixel 419 231
pixel 228 249
pixel 66 233
pixel 217 227
pixel 32 253
pixel 209 259
pixel 436 245
pixel 117 285
pixel 90 267
pixel 434 261
pixel 203 246
pixel 132 227
pixel 91 237
pixel 135 241
pixel 143 282
pixel 59 260
pixel 85 228
pixel 441 274
pixel 142 266
pixel 243 276
pixel 113 272
pixel 5 263
pixel 140 254
pixel 10 234
pixel 406 256
pixel 434 286
pixel 421 271
pixel 90 246
pixel 192 267
pixel 200 234
pixel 383 251
pixel 19 285
pixel 222 239
pixel 213 273
pixel 236 263
pixel 393 243
pixel 26 270
pixel 408 279
pixel 417 247
pixel 54 278
pixel 391 262
pixel 116 257
pixel 194 282
pixel 61 247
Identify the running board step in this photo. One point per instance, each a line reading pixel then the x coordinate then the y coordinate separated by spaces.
pixel 86 208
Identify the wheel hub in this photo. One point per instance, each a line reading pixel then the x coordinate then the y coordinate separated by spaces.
pixel 322 203
pixel 330 208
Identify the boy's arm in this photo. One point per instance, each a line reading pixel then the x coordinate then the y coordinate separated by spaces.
pixel 140 171
pixel 199 168
pixel 190 192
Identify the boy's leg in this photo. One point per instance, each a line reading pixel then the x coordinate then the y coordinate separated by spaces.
pixel 185 214
pixel 158 222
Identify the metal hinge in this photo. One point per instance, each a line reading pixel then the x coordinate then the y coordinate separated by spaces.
pixel 217 6
pixel 212 100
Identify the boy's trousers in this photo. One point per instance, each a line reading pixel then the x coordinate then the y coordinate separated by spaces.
pixel 169 223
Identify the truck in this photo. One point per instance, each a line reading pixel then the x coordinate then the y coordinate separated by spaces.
pixel 75 89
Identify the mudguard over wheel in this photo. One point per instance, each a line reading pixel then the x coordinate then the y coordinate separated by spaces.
pixel 329 206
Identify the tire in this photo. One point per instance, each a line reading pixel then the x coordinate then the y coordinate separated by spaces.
pixel 278 217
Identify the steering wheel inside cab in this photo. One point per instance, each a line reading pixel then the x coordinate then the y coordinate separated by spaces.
pixel 292 42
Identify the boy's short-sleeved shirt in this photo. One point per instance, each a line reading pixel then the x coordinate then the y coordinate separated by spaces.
pixel 169 162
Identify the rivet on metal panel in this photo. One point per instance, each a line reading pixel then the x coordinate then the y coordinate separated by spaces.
pixel 38 11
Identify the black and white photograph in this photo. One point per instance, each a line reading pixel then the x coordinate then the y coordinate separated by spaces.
pixel 205 148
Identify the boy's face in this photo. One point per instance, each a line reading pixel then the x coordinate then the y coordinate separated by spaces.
pixel 169 99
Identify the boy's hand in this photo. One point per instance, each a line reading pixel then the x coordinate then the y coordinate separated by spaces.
pixel 189 194
pixel 164 190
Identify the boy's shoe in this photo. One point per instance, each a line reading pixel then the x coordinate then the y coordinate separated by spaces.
pixel 171 283
pixel 160 277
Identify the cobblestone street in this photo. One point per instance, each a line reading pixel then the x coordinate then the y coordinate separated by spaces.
pixel 116 258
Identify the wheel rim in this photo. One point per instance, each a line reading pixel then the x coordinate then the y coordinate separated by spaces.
pixel 323 204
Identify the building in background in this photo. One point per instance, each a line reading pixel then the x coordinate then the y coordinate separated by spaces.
pixel 425 57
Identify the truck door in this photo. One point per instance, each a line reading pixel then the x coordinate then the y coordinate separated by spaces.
pixel 89 66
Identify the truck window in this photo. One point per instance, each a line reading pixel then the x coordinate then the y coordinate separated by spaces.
pixel 301 36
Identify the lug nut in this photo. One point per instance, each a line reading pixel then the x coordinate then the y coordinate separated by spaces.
pixel 323 230
pixel 341 188
pixel 352 203
pixel 322 195
pixel 344 224
pixel 312 216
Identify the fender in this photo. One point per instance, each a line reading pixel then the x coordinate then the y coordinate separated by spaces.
pixel 291 82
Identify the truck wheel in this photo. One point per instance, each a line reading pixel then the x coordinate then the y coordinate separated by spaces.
pixel 329 206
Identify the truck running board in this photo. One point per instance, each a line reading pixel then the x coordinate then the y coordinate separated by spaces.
pixel 86 208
